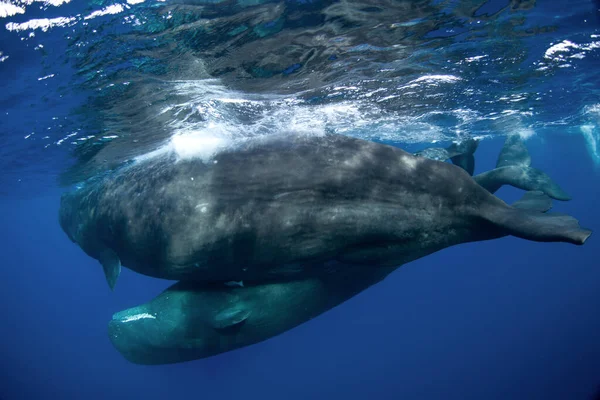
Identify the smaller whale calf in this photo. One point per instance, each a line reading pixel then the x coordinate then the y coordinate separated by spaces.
pixel 194 320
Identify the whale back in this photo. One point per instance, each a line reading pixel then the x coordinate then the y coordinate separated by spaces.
pixel 279 208
pixel 281 203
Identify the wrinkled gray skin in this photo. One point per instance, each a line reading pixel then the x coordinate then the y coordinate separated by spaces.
pixel 281 208
pixel 193 320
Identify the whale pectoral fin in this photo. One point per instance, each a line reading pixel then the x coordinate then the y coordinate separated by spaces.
pixel 535 201
pixel 111 266
pixel 230 318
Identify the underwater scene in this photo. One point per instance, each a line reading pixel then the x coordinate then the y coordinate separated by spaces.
pixel 299 199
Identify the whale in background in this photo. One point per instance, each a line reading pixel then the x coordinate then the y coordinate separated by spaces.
pixel 461 154
pixel 513 166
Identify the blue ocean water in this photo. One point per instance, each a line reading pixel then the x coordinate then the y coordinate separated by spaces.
pixel 87 86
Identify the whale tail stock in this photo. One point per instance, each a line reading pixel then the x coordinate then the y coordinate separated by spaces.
pixel 527 219
pixel 514 168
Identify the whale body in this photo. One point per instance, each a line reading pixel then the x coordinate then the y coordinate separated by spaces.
pixel 282 208
pixel 193 320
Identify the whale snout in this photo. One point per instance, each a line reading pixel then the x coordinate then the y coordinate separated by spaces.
pixel 149 338
pixel 136 334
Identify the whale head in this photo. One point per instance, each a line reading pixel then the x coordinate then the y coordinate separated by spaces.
pixel 179 326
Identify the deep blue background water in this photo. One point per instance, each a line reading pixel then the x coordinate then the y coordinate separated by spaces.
pixel 504 319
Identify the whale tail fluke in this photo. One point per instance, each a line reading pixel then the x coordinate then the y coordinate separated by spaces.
pixel 514 152
pixel 514 168
pixel 525 220
pixel 461 154
pixel 548 228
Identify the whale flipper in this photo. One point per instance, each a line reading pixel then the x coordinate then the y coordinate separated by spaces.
pixel 111 266
pixel 513 168
pixel 230 318
pixel 534 201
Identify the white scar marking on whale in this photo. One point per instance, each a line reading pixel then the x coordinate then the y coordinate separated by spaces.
pixel 411 162
pixel 137 317
pixel 202 207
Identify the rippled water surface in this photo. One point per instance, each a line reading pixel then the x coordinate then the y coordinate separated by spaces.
pixel 88 85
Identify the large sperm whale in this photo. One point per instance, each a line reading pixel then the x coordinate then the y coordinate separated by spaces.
pixel 280 208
